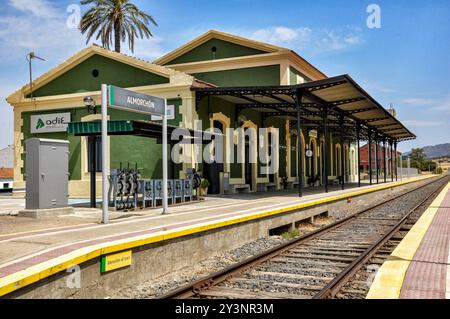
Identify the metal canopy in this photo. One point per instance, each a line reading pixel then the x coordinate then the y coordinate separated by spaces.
pixel 136 128
pixel 340 96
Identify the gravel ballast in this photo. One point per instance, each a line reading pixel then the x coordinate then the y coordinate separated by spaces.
pixel 162 285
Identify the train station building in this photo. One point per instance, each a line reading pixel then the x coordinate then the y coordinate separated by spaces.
pixel 224 81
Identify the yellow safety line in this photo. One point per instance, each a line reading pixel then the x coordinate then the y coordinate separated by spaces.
pixel 389 279
pixel 45 269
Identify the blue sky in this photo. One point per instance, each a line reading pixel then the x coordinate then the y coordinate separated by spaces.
pixel 405 62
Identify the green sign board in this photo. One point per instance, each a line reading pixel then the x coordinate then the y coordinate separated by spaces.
pixel 136 102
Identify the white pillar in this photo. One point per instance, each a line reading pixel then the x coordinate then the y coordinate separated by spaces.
pixel 105 199
pixel 164 159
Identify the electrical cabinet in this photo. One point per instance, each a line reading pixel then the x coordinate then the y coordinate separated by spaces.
pixel 47 173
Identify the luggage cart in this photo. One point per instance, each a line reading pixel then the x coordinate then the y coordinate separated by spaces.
pixel 177 191
pixel 158 191
pixel 147 193
pixel 187 190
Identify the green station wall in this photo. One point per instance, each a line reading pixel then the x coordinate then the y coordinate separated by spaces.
pixel 123 149
pixel 293 73
pixel 81 78
pixel 146 152
pixel 257 76
pixel 224 49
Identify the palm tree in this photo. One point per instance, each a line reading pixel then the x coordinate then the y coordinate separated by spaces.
pixel 118 17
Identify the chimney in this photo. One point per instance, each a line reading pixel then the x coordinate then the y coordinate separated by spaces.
pixel 391 110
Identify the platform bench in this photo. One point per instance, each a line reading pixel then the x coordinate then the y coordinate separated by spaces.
pixel 264 187
pixel 292 185
pixel 239 188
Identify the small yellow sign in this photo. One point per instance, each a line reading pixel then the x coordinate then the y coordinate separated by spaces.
pixel 116 261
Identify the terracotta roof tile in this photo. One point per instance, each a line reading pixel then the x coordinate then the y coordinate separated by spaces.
pixel 6 173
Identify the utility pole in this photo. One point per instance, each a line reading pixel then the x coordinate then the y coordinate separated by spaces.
pixel 30 56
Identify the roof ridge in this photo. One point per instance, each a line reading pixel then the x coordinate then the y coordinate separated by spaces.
pixel 141 60
pixel 210 34
pixel 95 48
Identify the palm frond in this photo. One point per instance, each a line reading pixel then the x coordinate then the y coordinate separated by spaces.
pixel 105 18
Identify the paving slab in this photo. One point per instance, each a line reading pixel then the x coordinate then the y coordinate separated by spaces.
pixel 419 267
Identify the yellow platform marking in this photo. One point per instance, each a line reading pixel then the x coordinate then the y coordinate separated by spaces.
pixel 389 279
pixel 45 269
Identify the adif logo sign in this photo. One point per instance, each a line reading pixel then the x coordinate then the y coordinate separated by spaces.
pixel 40 124
pixel 48 123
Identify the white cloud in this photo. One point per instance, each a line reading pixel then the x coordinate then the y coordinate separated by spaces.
pixel 441 105
pixel 39 8
pixel 305 38
pixel 419 101
pixel 420 123
pixel 147 49
pixel 385 89
pixel 281 34
pixel 336 41
pixel 50 38
pixel 46 32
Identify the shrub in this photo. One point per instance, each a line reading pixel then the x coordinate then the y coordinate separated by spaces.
pixel 204 183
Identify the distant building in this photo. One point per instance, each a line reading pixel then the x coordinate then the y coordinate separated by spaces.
pixel 7 157
pixel 6 179
pixel 443 162
pixel 364 158
pixel 6 168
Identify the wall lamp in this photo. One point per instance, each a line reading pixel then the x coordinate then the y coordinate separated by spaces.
pixel 90 104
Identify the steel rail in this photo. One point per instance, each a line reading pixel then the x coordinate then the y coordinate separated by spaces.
pixel 191 289
pixel 333 287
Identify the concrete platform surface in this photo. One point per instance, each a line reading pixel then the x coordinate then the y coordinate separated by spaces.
pixel 47 247
pixel 419 268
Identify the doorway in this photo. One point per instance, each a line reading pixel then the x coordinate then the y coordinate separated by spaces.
pixel 212 171
pixel 248 165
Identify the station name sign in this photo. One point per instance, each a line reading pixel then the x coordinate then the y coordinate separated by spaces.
pixel 135 102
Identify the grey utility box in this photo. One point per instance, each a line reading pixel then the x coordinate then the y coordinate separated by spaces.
pixel 47 173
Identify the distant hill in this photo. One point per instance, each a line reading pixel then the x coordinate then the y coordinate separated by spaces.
pixel 436 150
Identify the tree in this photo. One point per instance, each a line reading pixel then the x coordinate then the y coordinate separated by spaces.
pixel 118 18
pixel 418 158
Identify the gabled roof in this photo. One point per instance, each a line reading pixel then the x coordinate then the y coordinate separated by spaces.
pixel 173 75
pixel 214 34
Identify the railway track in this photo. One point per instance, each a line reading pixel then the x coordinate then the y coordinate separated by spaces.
pixel 335 261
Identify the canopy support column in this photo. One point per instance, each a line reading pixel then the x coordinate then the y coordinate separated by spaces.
pixel 358 129
pixel 325 149
pixel 384 160
pixel 377 158
pixel 341 122
pixel 395 167
pixel 392 160
pixel 370 157
pixel 298 102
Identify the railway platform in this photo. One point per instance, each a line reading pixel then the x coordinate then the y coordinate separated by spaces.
pixel 419 267
pixel 32 256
